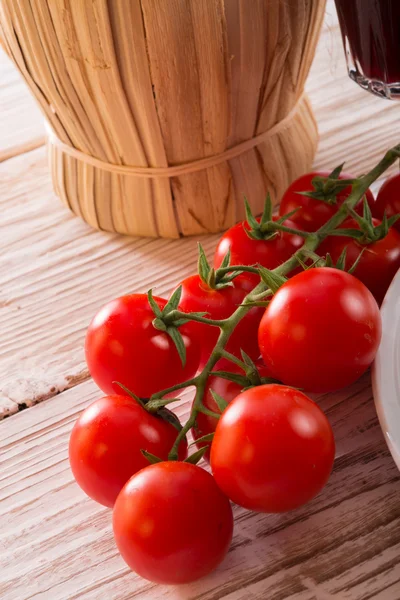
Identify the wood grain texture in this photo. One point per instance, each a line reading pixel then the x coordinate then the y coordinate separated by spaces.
pixel 56 273
pixel 21 124
pixel 55 543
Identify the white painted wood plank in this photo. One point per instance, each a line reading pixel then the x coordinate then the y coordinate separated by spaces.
pixel 21 122
pixel 56 272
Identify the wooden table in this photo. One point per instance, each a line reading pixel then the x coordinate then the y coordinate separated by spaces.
pixel 54 273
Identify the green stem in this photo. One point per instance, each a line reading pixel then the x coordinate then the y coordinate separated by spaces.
pixel 278 227
pixel 244 268
pixel 208 412
pixel 233 358
pixel 311 243
pixel 152 406
pixel 203 376
pixel 175 315
pixel 262 296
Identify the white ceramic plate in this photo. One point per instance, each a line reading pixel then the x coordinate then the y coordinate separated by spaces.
pixel 386 370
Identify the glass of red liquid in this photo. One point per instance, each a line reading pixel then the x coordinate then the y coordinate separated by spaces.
pixel 371 39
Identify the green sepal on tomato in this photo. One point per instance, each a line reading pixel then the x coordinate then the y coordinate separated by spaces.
pixel 122 345
pixel 312 212
pixel 320 331
pixel 172 524
pixel 106 444
pixel 273 449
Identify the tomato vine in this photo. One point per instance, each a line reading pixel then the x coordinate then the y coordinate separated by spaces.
pixel 270 281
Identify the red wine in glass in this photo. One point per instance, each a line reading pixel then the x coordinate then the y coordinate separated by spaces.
pixel 371 38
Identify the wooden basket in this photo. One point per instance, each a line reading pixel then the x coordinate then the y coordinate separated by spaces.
pixel 163 114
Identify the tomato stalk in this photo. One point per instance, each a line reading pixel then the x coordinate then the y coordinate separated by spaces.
pixel 243 268
pixel 233 358
pixel 156 400
pixel 175 316
pixel 227 326
pixel 275 226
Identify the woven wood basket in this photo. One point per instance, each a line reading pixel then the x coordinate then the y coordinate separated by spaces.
pixel 163 114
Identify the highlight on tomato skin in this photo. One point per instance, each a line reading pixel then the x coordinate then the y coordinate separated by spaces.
pixel 321 330
pixel 122 345
pixel 172 524
pixel 273 449
pixel 106 442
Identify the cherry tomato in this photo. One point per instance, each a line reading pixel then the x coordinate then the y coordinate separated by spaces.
pixel 314 213
pixel 172 524
pixel 320 331
pixel 273 449
pixel 379 262
pixel 197 296
pixel 122 345
pixel 246 251
pixel 388 199
pixel 106 442
pixel 228 390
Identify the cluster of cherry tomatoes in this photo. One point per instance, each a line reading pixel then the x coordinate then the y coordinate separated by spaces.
pixel 270 447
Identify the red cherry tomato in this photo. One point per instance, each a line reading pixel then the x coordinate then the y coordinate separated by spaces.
pixel 379 262
pixel 314 213
pixel 246 251
pixel 388 199
pixel 106 442
pixel 122 345
pixel 197 296
pixel 320 331
pixel 172 524
pixel 273 449
pixel 228 390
